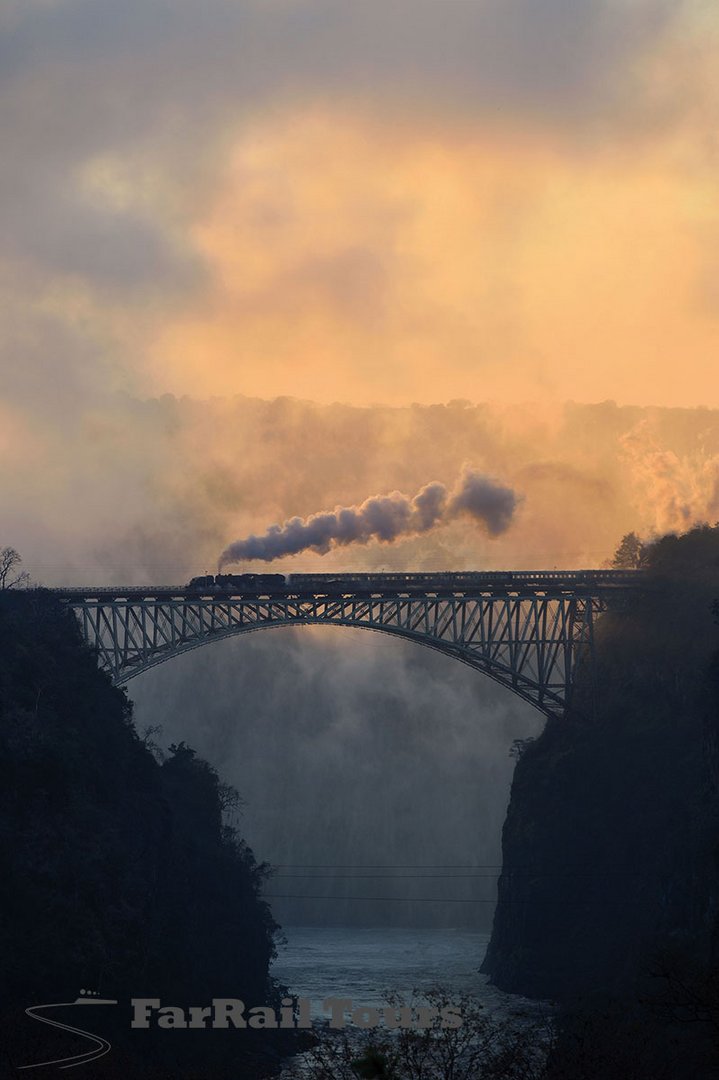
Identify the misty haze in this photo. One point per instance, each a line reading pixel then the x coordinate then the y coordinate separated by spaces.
pixel 359 539
pixel 353 751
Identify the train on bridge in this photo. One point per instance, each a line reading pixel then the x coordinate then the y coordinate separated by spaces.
pixel 258 584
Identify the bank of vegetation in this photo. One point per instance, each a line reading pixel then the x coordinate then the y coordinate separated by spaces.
pixel 609 896
pixel 117 873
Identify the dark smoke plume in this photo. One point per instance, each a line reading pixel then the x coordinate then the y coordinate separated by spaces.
pixel 384 518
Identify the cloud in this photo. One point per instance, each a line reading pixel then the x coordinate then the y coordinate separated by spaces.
pixel 385 518
pixel 458 158
pixel 86 78
pixel 560 57
pixel 106 488
pixel 675 491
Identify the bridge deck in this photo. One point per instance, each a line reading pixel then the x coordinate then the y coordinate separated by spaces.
pixel 481 583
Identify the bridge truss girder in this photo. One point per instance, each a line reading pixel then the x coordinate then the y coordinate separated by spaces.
pixel 531 644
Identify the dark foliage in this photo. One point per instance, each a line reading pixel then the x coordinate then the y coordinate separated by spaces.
pixel 611 857
pixel 632 553
pixel 116 872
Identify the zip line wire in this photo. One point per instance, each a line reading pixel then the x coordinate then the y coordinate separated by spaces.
pixel 441 900
pixel 524 869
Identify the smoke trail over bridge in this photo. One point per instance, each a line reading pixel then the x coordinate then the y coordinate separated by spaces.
pixel 385 518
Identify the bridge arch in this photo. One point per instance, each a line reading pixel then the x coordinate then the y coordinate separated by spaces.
pixel 529 692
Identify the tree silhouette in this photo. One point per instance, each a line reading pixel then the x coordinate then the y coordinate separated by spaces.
pixel 632 553
pixel 10 576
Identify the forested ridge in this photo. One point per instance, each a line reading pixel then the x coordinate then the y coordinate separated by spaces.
pixel 610 883
pixel 117 873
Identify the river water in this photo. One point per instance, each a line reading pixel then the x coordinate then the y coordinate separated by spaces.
pixel 362 964
pixel 366 964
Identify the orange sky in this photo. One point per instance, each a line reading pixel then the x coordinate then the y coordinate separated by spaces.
pixel 347 266
pixel 390 202
pixel 399 223
pixel 393 202
pixel 427 271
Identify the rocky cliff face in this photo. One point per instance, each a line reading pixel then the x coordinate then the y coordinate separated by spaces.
pixel 116 872
pixel 611 845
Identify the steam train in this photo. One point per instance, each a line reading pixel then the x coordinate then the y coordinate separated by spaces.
pixel 259 584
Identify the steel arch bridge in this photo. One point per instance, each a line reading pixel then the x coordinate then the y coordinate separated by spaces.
pixel 528 631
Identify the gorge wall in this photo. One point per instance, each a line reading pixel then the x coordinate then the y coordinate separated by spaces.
pixel 117 873
pixel 610 846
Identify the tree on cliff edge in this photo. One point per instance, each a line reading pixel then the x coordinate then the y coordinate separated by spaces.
pixel 10 576
pixel 632 553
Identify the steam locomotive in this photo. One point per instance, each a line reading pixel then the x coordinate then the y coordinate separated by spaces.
pixel 239 582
